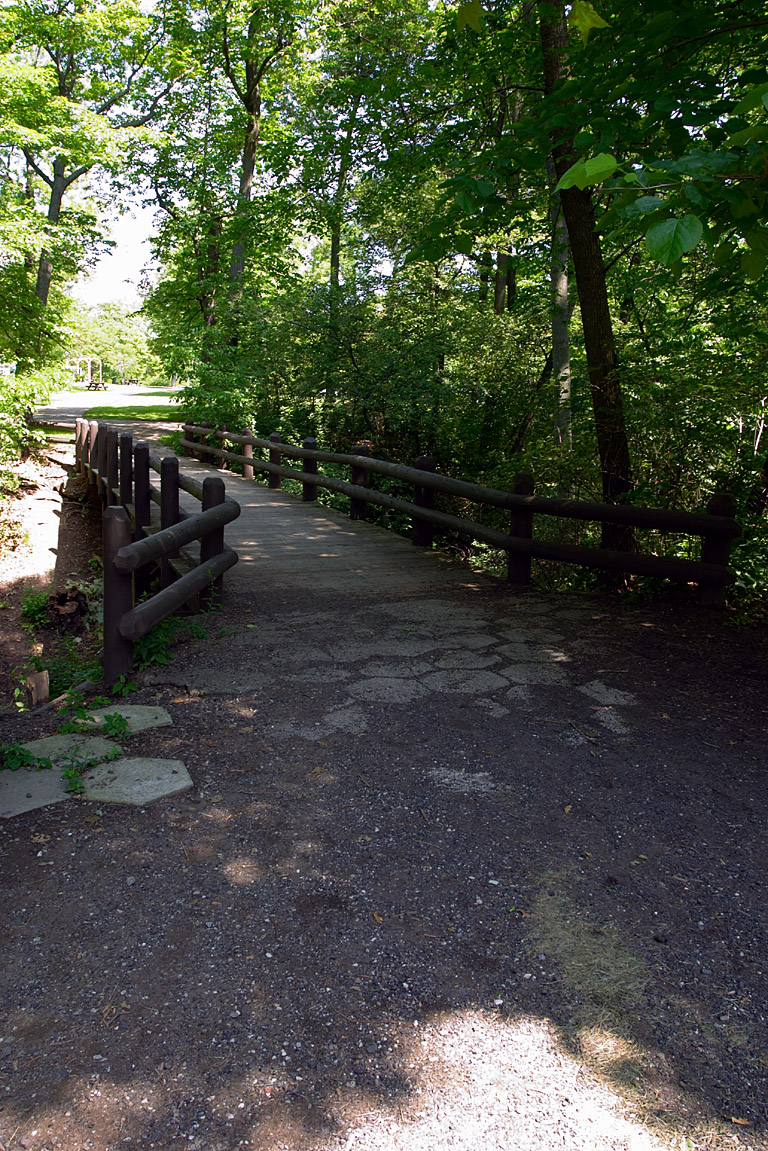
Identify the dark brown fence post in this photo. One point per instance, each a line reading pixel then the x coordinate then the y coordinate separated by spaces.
pixel 189 453
pixel 81 445
pixel 521 525
pixel 716 549
pixel 169 509
pixel 93 461
pixel 309 491
pixel 102 464
pixel 223 465
pixel 275 457
pixel 204 456
pixel 422 532
pixel 212 544
pixel 141 495
pixel 247 451
pixel 359 476
pixel 126 468
pixel 112 466
pixel 142 513
pixel 118 595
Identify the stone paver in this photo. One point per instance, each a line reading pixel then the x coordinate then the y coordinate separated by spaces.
pixel 136 781
pixel 28 789
pixel 137 716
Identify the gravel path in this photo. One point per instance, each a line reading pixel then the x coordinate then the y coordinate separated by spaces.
pixel 461 868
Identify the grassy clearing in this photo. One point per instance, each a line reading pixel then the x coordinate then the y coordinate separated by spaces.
pixel 129 411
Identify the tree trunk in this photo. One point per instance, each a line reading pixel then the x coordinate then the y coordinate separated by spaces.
pixel 589 269
pixel 58 187
pixel 561 315
pixel 247 168
pixel 504 284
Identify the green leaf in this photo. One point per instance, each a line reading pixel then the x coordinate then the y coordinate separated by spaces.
pixel 722 255
pixel 600 167
pixel 753 132
pixel 757 239
pixel 470 15
pixel 586 172
pixel 668 240
pixel 753 99
pixel 753 264
pixel 584 18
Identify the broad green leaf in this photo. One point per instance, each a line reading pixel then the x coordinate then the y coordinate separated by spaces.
pixel 600 167
pixel 484 188
pixel 753 99
pixel 575 177
pixel 643 205
pixel 753 132
pixel 586 172
pixel 723 254
pixel 668 240
pixel 470 15
pixel 757 239
pixel 584 18
pixel 753 264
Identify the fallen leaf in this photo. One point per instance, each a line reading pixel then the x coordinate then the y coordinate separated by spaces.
pixel 41 838
pixel 380 919
pixel 741 1122
pixel 664 715
pixel 568 807
pixel 215 798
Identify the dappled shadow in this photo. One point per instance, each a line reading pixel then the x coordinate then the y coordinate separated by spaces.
pixel 469 870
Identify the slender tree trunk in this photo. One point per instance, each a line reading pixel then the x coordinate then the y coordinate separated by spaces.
pixel 561 315
pixel 247 168
pixel 589 269
pixel 486 264
pixel 58 187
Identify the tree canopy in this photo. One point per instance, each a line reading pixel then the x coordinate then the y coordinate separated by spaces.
pixel 516 235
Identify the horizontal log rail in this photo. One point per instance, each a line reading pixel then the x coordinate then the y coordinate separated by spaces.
pixel 717 528
pixel 118 476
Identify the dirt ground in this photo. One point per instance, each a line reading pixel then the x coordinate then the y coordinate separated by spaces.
pixel 435 923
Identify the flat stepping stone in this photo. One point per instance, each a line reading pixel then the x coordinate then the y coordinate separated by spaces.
pixel 28 789
pixel 31 788
pixel 59 748
pixel 138 717
pixel 136 781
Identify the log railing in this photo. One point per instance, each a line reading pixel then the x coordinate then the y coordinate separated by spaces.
pixel 137 537
pixel 717 528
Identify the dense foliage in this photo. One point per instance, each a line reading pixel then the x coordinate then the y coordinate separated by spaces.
pixel 517 236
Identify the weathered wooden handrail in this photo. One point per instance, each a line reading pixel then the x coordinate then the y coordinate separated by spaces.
pixel 118 476
pixel 717 528
pixel 661 519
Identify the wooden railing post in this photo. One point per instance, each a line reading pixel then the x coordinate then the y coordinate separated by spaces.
pixel 169 509
pixel 309 491
pixel 223 465
pixel 101 458
pixel 422 532
pixel 212 544
pixel 93 461
pixel 359 476
pixel 716 549
pixel 118 595
pixel 126 468
pixel 275 457
pixel 112 465
pixel 521 525
pixel 247 451
pixel 81 445
pixel 142 512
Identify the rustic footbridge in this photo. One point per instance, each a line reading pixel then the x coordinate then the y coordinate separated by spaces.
pixel 294 540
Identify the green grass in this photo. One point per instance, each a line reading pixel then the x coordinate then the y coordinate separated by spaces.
pixel 137 412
